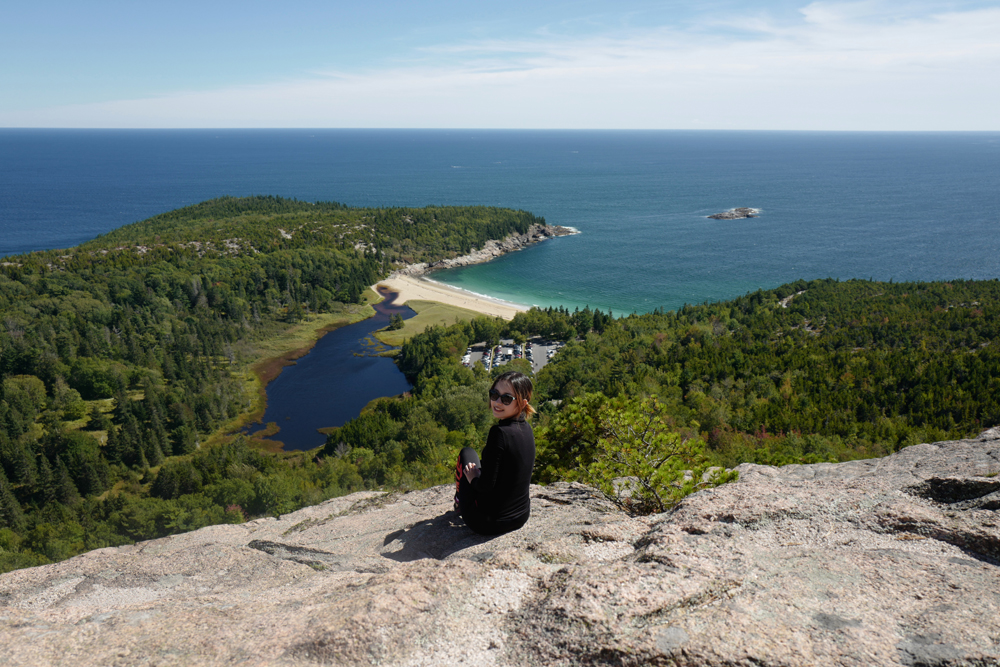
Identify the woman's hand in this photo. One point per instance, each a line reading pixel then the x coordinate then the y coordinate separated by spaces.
pixel 471 472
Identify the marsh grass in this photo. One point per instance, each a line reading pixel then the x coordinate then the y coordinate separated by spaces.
pixel 270 356
pixel 429 313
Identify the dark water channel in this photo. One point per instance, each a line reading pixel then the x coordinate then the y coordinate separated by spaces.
pixel 330 385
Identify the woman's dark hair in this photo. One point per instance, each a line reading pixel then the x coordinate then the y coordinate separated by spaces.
pixel 521 384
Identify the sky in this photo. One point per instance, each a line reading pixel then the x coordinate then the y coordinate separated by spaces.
pixel 585 64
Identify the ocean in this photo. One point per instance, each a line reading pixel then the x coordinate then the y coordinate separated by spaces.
pixel 899 206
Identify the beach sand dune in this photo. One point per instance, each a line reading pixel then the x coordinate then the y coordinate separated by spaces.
pixel 422 289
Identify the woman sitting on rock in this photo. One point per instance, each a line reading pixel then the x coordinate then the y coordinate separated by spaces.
pixel 492 496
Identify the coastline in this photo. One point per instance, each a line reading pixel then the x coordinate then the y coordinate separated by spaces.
pixel 420 288
pixel 412 282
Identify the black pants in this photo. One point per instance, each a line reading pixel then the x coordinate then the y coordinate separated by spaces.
pixel 467 507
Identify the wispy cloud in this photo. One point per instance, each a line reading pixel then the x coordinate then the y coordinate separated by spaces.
pixel 856 65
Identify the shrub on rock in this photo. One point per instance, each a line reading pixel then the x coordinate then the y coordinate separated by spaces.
pixel 644 467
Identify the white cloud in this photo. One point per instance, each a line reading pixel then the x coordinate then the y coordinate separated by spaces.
pixel 857 65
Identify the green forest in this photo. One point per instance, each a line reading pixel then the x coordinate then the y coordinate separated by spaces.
pixel 120 357
pixel 806 373
pixel 122 360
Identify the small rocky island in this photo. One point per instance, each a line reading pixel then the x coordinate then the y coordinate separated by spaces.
pixel 736 214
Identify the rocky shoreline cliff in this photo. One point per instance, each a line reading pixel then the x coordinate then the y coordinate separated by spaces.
pixel 887 561
pixel 490 250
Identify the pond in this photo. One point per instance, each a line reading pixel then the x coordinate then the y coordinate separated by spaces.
pixel 332 383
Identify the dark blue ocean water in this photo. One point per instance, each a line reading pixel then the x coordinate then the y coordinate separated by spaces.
pixel 904 206
pixel 844 205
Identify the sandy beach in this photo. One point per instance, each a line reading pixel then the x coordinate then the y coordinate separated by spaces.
pixel 422 289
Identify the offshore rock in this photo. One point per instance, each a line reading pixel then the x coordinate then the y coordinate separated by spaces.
pixel 490 250
pixel 736 214
pixel 881 562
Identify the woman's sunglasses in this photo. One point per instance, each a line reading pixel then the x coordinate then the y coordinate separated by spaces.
pixel 506 399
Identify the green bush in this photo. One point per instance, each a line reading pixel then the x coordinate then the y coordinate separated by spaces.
pixel 644 467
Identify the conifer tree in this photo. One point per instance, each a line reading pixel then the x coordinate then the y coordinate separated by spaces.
pixel 11 515
pixel 45 489
pixel 133 444
pixel 151 448
pixel 65 490
pixel 25 471
pixel 114 450
pixel 185 439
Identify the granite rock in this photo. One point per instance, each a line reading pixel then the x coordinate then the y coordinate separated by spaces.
pixel 736 214
pixel 490 250
pixel 887 561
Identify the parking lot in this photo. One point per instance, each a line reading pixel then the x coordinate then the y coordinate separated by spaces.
pixel 537 351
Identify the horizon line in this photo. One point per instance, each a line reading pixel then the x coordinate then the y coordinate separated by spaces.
pixel 502 129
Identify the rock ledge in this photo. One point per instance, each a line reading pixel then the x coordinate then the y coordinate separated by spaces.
pixel 881 562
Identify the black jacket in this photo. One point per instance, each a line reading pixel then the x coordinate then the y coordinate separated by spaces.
pixel 507 461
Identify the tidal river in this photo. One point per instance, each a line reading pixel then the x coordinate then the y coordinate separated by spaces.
pixel 330 385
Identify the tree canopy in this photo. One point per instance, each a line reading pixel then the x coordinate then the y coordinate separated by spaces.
pixel 119 358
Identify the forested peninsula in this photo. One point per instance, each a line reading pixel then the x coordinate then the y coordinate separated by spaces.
pixel 137 348
pixel 127 361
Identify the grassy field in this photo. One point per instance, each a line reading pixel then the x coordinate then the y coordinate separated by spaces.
pixel 428 313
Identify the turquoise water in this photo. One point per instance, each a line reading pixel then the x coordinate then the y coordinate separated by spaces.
pixel 883 206
pixel 901 206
